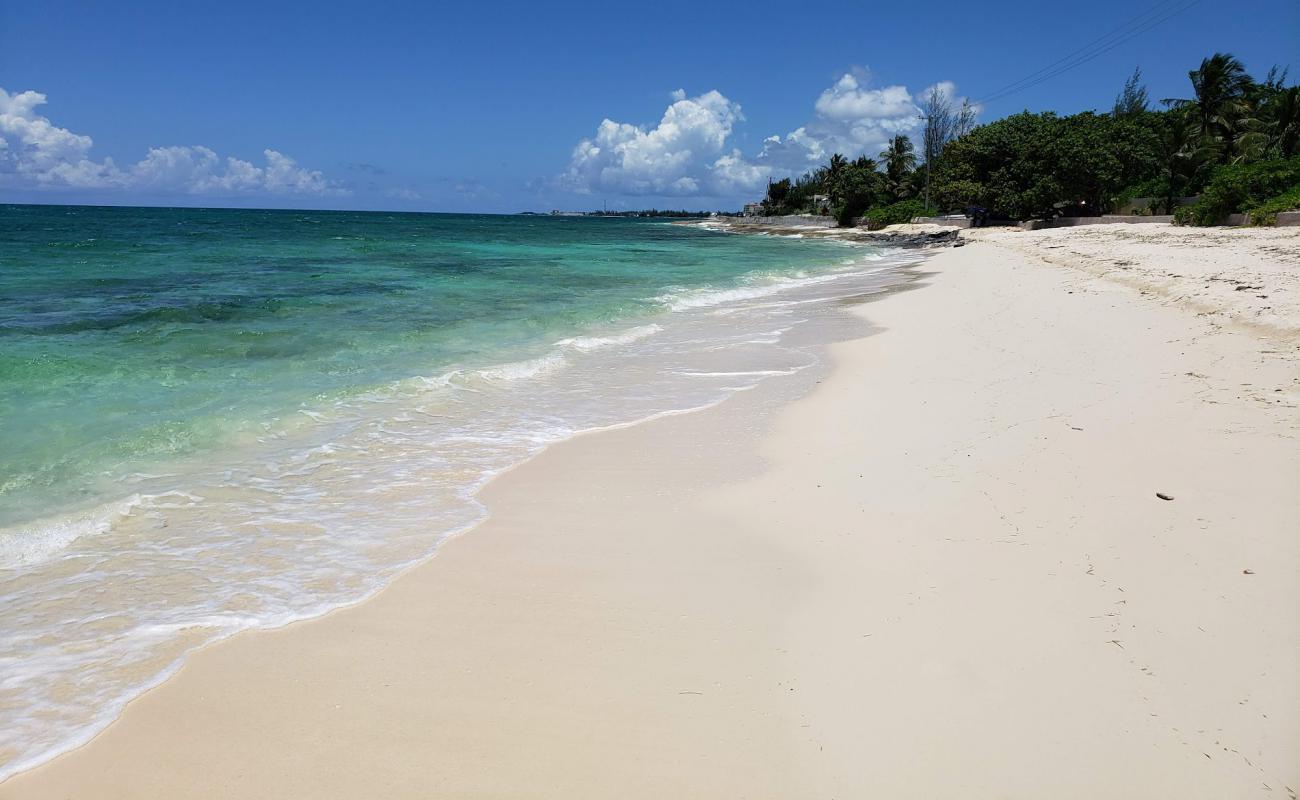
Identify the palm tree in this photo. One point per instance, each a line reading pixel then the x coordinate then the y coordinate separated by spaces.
pixel 1185 155
pixel 864 163
pixel 1219 108
pixel 1282 114
pixel 899 159
pixel 832 176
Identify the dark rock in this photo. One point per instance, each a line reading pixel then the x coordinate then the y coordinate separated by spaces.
pixel 945 238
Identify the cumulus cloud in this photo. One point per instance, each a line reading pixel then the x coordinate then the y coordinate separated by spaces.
pixel 684 154
pixel 850 118
pixel 688 153
pixel 849 100
pixel 36 153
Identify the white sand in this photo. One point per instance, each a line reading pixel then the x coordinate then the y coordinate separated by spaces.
pixel 1240 275
pixel 943 573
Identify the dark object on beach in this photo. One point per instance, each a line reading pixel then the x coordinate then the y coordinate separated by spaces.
pixel 978 216
pixel 1164 496
pixel 943 238
pixel 1248 572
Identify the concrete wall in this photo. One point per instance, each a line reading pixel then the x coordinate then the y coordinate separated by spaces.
pixel 1069 222
pixel 1285 218
pixel 1143 203
pixel 793 219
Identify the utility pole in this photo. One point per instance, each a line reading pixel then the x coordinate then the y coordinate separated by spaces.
pixel 928 147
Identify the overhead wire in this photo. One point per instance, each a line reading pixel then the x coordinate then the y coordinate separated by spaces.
pixel 1158 14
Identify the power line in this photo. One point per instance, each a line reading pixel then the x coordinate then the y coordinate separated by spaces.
pixel 1122 28
pixel 1133 28
pixel 1070 63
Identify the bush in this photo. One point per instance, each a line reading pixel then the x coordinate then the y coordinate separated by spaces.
pixel 1027 166
pixel 1234 188
pixel 1266 212
pixel 1155 190
pixel 896 213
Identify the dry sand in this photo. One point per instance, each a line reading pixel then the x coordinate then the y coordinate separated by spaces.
pixel 1239 275
pixel 945 572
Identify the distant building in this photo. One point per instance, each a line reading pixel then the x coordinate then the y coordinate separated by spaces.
pixel 821 203
pixel 753 210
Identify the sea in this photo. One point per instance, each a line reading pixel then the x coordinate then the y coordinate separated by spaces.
pixel 216 420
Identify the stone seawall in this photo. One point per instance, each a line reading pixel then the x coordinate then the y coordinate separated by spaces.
pixel 806 220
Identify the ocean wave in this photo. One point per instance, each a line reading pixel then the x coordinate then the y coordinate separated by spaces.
pixel 589 343
pixel 520 370
pixel 42 539
pixel 740 373
pixel 708 297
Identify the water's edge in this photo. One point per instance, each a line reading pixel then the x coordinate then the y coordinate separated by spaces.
pixel 814 342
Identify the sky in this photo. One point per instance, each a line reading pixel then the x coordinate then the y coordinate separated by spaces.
pixel 505 107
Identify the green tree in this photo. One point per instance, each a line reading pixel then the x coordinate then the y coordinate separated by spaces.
pixel 834 176
pixel 1183 157
pixel 899 159
pixel 1281 114
pixel 778 194
pixel 1278 113
pixel 1132 98
pixel 1220 108
pixel 1034 165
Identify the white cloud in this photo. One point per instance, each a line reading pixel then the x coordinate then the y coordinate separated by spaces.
pixel 732 174
pixel 687 153
pixel 946 89
pixel 683 155
pixel 849 100
pixel 848 118
pixel 35 153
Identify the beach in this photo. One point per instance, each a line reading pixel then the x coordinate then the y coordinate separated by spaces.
pixel 1028 529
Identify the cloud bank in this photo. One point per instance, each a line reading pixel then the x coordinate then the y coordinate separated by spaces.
pixel 682 155
pixel 37 154
pixel 688 152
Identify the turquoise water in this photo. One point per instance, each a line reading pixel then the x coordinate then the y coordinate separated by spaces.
pixel 132 335
pixel 216 420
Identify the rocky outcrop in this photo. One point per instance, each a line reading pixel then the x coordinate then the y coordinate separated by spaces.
pixel 944 238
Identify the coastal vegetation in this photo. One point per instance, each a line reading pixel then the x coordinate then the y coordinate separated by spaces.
pixel 1231 146
pixel 652 212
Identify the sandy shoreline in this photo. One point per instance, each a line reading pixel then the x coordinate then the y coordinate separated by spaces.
pixel 944 571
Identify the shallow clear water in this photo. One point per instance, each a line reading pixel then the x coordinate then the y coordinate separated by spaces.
pixel 212 420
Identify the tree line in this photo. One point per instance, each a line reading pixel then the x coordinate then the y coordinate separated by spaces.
pixel 1233 143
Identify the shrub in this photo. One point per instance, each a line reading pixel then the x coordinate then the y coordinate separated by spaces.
pixel 1237 187
pixel 1027 166
pixel 1266 212
pixel 896 213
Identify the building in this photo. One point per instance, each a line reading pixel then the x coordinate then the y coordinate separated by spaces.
pixel 753 210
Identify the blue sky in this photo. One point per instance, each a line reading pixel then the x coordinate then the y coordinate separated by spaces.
pixel 499 106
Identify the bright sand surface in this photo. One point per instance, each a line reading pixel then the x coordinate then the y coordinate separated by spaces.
pixel 942 572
